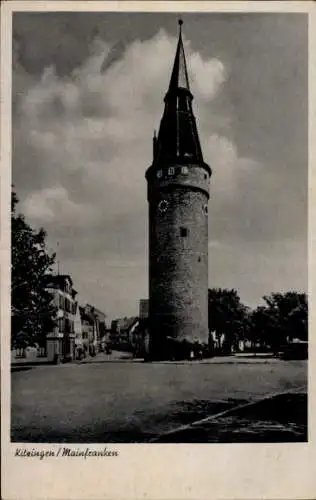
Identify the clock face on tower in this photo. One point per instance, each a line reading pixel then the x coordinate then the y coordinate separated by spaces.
pixel 162 206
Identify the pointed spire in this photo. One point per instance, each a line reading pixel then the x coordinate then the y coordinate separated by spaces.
pixel 154 144
pixel 179 76
pixel 178 138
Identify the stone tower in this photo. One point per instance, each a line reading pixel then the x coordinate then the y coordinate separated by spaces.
pixel 178 193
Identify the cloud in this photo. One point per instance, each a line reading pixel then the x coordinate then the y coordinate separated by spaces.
pixel 229 169
pixel 88 136
pixel 214 75
pixel 82 143
pixel 53 204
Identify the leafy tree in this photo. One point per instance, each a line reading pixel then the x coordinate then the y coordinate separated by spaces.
pixel 264 323
pixel 290 316
pixel 284 317
pixel 227 316
pixel 32 309
pixel 298 321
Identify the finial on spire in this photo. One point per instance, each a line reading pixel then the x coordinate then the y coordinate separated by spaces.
pixel 179 76
pixel 178 136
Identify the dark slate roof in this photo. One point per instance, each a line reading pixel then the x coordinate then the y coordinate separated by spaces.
pixel 58 279
pixel 178 138
pixel 179 76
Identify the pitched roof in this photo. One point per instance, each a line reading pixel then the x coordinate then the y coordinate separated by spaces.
pixel 125 323
pixel 58 279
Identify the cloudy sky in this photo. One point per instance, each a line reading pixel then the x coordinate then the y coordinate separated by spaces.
pixel 88 92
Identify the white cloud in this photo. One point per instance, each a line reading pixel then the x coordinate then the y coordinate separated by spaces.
pixel 82 143
pixel 91 133
pixel 214 75
pixel 51 204
pixel 229 169
pixel 87 139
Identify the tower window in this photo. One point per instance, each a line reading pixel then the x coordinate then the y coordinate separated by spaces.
pixel 205 209
pixel 159 174
pixel 171 170
pixel 183 232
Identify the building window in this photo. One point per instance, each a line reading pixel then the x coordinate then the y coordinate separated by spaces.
pixel 61 302
pixel 183 232
pixel 171 170
pixel 184 170
pixel 205 209
pixel 61 325
pixel 159 174
pixel 205 176
pixel 68 305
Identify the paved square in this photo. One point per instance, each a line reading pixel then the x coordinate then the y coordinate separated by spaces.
pixel 137 402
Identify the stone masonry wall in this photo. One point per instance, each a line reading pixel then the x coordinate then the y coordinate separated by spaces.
pixel 179 256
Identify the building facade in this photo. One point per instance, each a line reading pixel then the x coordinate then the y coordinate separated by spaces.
pixel 61 341
pixel 78 332
pixel 89 330
pixel 178 192
pixel 100 325
pixel 122 333
pixel 143 308
pixel 93 328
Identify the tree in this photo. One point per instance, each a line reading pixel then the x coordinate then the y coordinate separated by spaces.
pixel 290 313
pixel 227 316
pixel 31 304
pixel 263 326
pixel 298 321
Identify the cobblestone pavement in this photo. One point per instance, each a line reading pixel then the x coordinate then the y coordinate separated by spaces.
pixel 140 402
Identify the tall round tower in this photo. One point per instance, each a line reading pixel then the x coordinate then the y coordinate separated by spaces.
pixel 178 193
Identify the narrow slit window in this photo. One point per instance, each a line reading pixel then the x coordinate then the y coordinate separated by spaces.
pixel 184 170
pixel 183 232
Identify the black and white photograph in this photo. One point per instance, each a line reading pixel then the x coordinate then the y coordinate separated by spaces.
pixel 159 289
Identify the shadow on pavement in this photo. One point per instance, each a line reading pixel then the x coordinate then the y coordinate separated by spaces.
pixel 282 418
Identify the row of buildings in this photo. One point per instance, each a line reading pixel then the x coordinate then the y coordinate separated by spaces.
pixel 79 329
pixel 131 333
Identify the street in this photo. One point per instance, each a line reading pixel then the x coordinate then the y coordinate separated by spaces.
pixel 119 401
